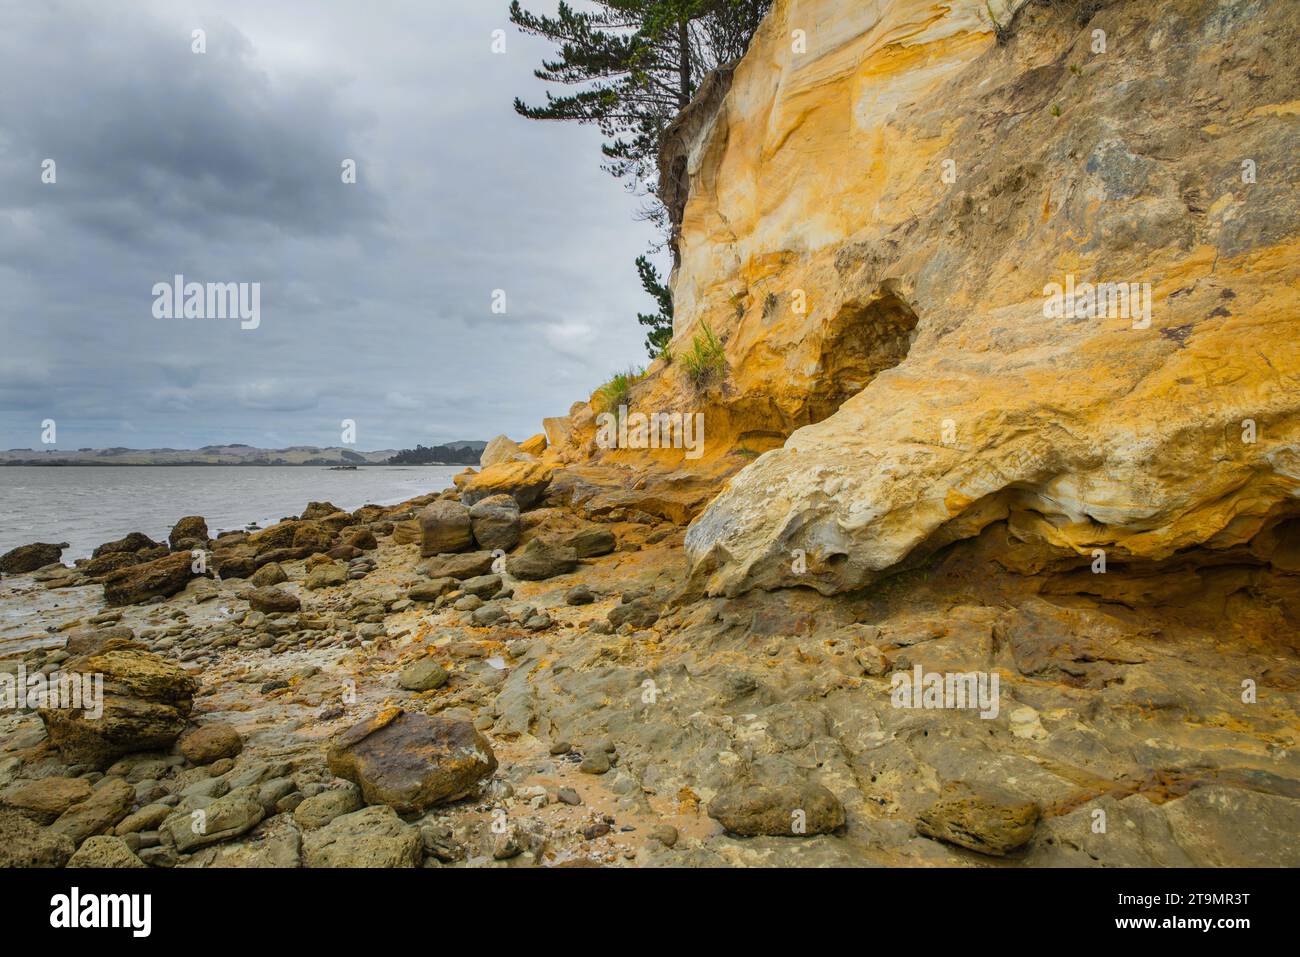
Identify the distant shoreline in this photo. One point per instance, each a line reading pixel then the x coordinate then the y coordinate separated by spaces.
pixel 167 465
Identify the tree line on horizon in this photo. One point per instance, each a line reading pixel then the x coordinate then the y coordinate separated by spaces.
pixel 436 455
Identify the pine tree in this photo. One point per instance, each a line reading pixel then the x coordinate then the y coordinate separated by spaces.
pixel 638 63
pixel 660 323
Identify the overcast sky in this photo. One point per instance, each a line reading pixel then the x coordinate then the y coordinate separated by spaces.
pixel 226 167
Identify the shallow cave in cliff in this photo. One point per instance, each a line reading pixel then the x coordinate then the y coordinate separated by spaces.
pixel 862 340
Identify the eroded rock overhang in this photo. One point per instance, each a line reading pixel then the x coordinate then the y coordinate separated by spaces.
pixel 908 158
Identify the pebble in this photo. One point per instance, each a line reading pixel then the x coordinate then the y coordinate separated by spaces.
pixel 595 762
pixel 579 595
pixel 665 834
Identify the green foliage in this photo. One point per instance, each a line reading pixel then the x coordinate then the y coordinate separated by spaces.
pixel 437 455
pixel 661 322
pixel 615 392
pixel 705 361
pixel 636 64
pixel 633 65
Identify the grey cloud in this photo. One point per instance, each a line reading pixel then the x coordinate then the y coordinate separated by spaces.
pixel 167 137
pixel 225 167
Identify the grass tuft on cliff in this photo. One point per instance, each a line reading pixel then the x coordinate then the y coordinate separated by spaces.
pixel 705 361
pixel 615 392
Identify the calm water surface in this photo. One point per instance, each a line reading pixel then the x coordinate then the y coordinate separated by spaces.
pixel 88 505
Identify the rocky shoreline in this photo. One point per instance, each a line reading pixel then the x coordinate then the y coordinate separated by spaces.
pixel 516 672
pixel 942 574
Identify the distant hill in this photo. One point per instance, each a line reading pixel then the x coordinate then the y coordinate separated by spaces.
pixel 234 454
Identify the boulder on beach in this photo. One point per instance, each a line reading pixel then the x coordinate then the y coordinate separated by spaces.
pixel 362 539
pixel 28 558
pixel 313 537
pixel 160 578
pixel 411 761
pixel 318 510
pixel 107 804
pixel 535 445
pixel 327 574
pixel 371 837
pixel 236 562
pixel 281 555
pixel 788 810
pixel 24 843
pixel 91 640
pixel 558 429
pixel 58 576
pixel 464 565
pixel 99 569
pixel 431 590
pixel 133 542
pixel 105 850
pixel 640 612
pixel 495 522
pixel 500 449
pixel 280 535
pixel 335 521
pixel 228 816
pixel 272 573
pixel 146 702
pixel 136 548
pixel 269 600
pixel 482 586
pixel 444 527
pixel 591 541
pixel 423 675
pixel 319 809
pixel 539 560
pixel 524 481
pixel 44 799
pixel 988 820
pixel 190 532
pixel 406 532
pixel 211 742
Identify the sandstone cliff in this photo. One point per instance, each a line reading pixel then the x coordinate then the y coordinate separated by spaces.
pixel 875 210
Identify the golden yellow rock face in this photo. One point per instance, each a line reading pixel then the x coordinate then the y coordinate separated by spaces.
pixel 874 227
pixel 1049 280
pixel 535 445
pixel 522 479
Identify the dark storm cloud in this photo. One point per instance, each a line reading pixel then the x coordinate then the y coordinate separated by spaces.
pixel 145 132
pixel 225 167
